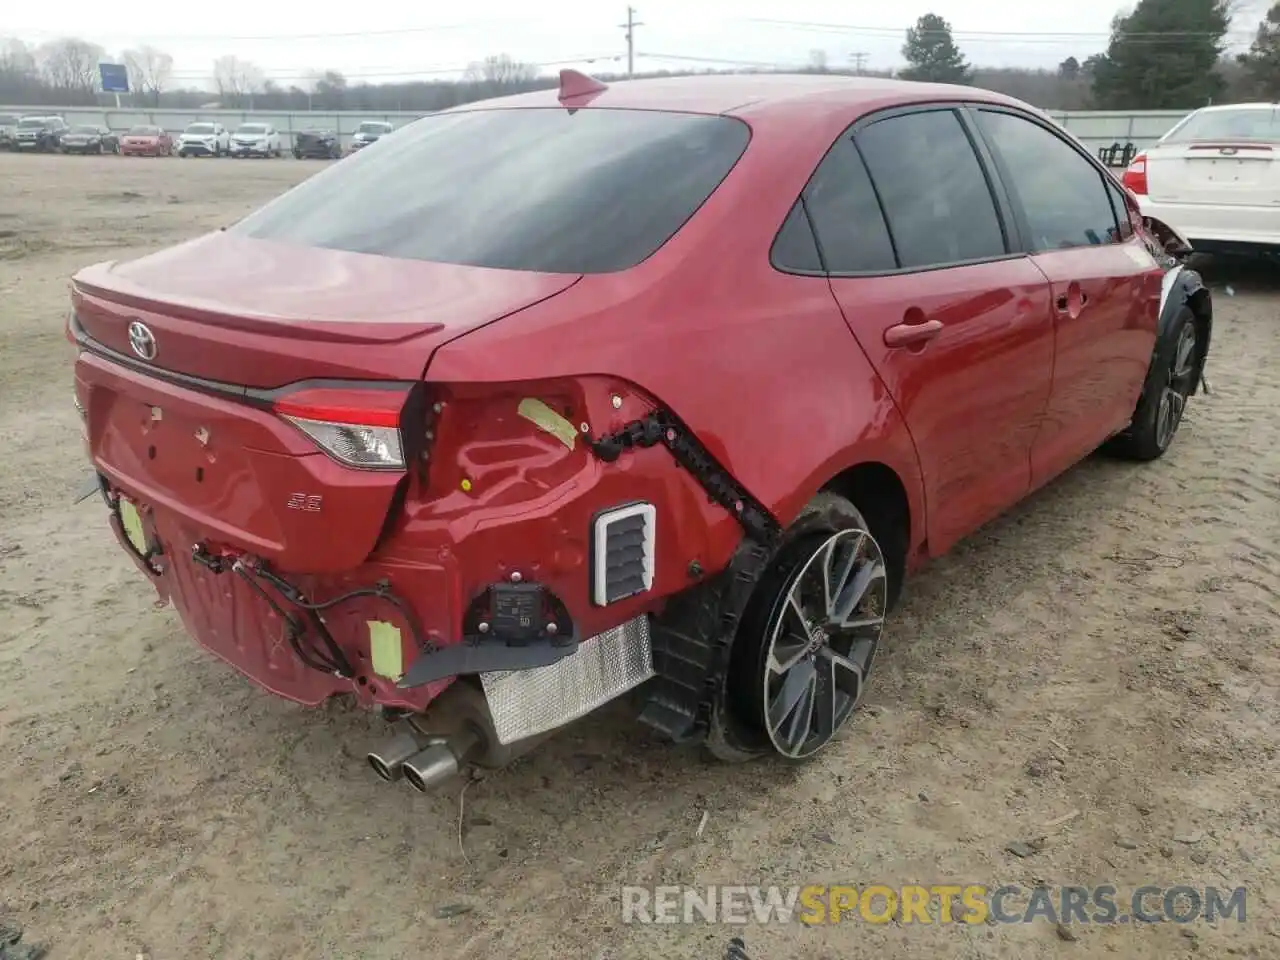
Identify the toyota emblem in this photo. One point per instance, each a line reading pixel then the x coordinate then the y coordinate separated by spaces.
pixel 142 340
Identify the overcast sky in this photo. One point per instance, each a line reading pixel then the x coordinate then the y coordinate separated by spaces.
pixel 378 40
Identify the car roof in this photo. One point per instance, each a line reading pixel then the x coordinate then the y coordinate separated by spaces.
pixel 755 94
pixel 1222 107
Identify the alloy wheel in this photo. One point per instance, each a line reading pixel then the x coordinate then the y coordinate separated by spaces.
pixel 823 637
pixel 1178 386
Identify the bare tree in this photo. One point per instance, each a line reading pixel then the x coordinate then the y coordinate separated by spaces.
pixel 501 69
pixel 237 80
pixel 149 71
pixel 16 58
pixel 70 65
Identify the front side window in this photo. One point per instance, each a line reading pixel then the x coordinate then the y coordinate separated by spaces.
pixel 550 190
pixel 933 189
pixel 1060 191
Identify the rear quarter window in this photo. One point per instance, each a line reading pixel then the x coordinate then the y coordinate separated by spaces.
pixel 587 191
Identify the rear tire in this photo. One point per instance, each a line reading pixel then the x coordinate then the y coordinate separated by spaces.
pixel 807 640
pixel 1171 378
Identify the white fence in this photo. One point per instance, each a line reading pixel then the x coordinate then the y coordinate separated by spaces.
pixel 1096 129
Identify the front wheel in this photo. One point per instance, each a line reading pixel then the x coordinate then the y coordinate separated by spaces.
pixel 1171 379
pixel 807 641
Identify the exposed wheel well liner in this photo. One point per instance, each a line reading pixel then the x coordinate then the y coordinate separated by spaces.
pixel 879 494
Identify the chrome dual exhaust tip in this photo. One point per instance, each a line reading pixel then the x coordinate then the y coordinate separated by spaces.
pixel 424 762
pixel 388 761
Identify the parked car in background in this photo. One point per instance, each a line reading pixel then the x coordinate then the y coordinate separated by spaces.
pixel 8 130
pixel 90 138
pixel 1215 179
pixel 368 132
pixel 146 140
pixel 470 454
pixel 317 144
pixel 204 140
pixel 40 133
pixel 256 140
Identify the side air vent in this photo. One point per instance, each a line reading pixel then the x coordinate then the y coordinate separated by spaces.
pixel 623 553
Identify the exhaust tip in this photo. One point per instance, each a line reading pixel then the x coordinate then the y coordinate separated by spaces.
pixel 414 779
pixel 438 763
pixel 387 772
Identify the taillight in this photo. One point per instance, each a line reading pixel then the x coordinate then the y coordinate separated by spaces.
pixel 1135 175
pixel 358 426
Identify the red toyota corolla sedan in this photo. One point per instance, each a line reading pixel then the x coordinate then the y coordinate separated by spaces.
pixel 146 141
pixel 658 388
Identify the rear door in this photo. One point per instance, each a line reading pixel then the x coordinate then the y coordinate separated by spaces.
pixel 1105 284
pixel 915 241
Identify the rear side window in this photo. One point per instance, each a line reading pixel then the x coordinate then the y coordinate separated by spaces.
pixel 795 249
pixel 552 190
pixel 846 215
pixel 1060 191
pixel 933 189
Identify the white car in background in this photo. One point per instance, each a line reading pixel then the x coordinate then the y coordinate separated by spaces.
pixel 1215 179
pixel 202 139
pixel 256 140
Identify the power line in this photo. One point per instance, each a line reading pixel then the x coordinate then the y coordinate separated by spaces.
pixel 408 73
pixel 207 37
pixel 1011 36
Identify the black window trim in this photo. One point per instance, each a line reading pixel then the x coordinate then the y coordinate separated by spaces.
pixel 1011 227
pixel 1005 174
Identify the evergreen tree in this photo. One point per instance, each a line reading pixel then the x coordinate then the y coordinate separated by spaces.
pixel 1069 68
pixel 932 54
pixel 1262 62
pixel 1163 56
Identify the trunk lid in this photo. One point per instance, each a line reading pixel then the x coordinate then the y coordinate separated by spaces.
pixel 193 432
pixel 262 314
pixel 1220 172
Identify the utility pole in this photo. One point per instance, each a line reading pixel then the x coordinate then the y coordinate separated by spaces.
pixel 859 59
pixel 630 27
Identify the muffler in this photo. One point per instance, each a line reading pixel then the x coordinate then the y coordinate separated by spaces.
pixel 441 761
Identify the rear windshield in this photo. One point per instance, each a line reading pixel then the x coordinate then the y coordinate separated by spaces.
pixel 372 127
pixel 200 128
pixel 589 191
pixel 33 123
pixel 144 131
pixel 1258 123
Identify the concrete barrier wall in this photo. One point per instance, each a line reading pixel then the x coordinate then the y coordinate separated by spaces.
pixel 1096 129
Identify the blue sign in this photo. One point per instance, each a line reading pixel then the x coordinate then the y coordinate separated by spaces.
pixel 115 77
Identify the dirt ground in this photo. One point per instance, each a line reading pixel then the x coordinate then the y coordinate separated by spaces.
pixel 1109 648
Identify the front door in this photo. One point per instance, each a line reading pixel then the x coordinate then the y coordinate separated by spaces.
pixel 1106 286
